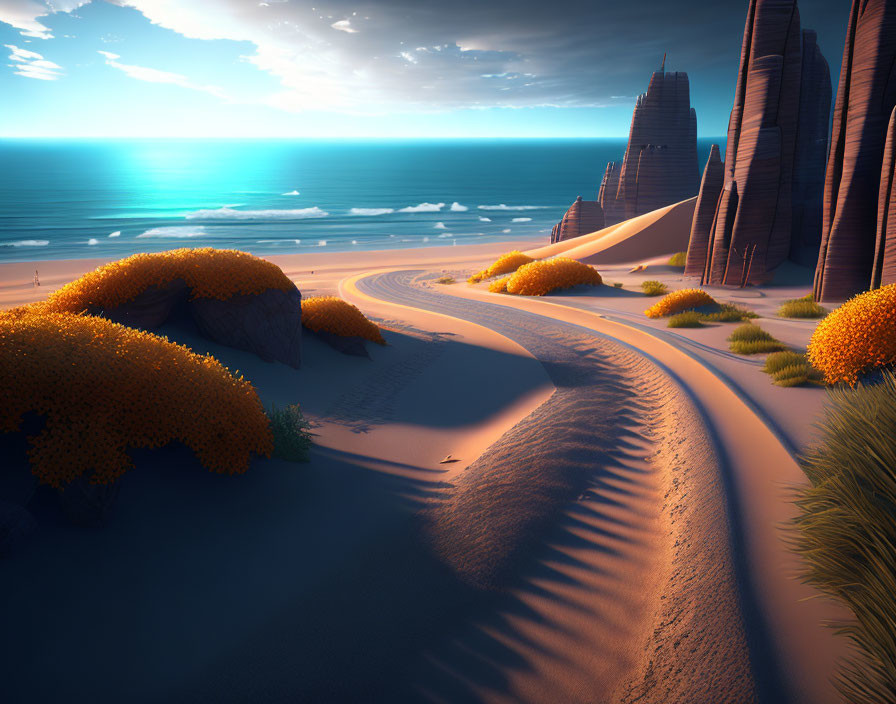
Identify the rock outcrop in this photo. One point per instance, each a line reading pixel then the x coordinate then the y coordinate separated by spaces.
pixel 268 324
pixel 583 216
pixel 865 100
pixel 884 272
pixel 660 164
pixel 704 213
pixel 775 136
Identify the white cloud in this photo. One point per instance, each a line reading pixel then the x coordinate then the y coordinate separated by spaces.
pixel 152 75
pixel 344 26
pixel 33 65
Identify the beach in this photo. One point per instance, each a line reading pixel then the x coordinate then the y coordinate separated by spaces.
pixel 517 499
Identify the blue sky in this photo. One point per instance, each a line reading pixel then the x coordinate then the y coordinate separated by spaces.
pixel 381 68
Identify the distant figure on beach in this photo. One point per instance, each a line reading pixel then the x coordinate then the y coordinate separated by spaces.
pixel 36 279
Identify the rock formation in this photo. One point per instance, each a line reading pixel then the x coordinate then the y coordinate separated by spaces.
pixel 884 272
pixel 660 163
pixel 606 196
pixel 865 99
pixel 583 216
pixel 268 324
pixel 704 213
pixel 775 135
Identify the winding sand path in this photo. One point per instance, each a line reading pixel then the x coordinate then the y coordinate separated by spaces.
pixel 722 564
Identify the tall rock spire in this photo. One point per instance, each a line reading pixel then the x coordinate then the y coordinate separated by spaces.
pixel 884 271
pixel 865 99
pixel 704 213
pixel 660 163
pixel 774 139
pixel 583 217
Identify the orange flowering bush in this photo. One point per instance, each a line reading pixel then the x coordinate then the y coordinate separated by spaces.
pixel 505 264
pixel 208 272
pixel 541 277
pixel 857 337
pixel 338 317
pixel 103 388
pixel 499 285
pixel 677 301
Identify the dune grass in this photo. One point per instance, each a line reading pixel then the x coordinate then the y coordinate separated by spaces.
pixel 846 530
pixel 654 288
pixel 678 259
pixel 729 313
pixel 749 338
pixel 688 319
pixel 789 368
pixel 804 307
pixel 447 279
pixel 292 437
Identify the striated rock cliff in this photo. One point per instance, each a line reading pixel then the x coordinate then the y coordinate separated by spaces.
pixel 775 137
pixel 884 271
pixel 583 216
pixel 660 163
pixel 704 213
pixel 865 99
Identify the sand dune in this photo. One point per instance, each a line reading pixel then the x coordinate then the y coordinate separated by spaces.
pixel 663 231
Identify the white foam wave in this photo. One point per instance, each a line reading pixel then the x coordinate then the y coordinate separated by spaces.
pixel 506 231
pixel 117 233
pixel 277 241
pixel 426 239
pixel 458 208
pixel 521 220
pixel 371 211
pixel 174 232
pixel 445 234
pixel 482 219
pixel 27 243
pixel 291 193
pixel 502 206
pixel 231 214
pixel 439 226
pixel 93 240
pixel 321 243
pixel 423 208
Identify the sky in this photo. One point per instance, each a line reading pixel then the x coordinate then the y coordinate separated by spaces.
pixel 374 68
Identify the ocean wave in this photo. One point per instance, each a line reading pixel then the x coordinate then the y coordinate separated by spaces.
pixel 482 219
pixel 321 243
pixel 458 208
pixel 512 207
pixel 93 241
pixel 117 233
pixel 521 220
pixel 371 211
pixel 291 193
pixel 277 241
pixel 439 226
pixel 175 232
pixel 423 208
pixel 26 243
pixel 231 214
pixel 506 230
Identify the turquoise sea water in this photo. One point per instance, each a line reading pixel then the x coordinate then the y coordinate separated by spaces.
pixel 66 199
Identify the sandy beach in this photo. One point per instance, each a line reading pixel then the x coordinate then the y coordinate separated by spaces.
pixel 609 530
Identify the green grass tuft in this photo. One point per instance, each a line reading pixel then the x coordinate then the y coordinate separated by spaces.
pixel 789 368
pixel 846 530
pixel 777 361
pixel 292 439
pixel 678 259
pixel 447 279
pixel 688 319
pixel 654 288
pixel 749 338
pixel 617 285
pixel 803 307
pixel 729 313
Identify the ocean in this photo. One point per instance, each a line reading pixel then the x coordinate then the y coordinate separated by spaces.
pixel 71 199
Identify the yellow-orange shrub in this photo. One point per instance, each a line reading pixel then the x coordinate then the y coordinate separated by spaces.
pixel 677 301
pixel 541 277
pixel 338 317
pixel 505 264
pixel 857 337
pixel 103 388
pixel 499 285
pixel 208 272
